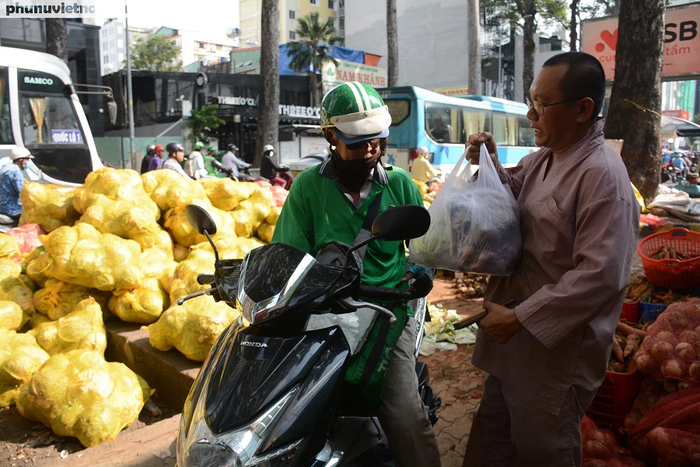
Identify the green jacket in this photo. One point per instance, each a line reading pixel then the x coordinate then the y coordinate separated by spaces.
pixel 318 212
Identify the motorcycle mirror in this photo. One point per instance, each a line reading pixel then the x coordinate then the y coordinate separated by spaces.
pixel 401 223
pixel 200 219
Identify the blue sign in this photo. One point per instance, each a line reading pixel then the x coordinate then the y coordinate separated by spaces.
pixel 66 137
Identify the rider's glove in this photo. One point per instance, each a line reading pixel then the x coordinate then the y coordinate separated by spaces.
pixel 422 284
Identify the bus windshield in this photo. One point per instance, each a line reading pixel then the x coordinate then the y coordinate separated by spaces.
pixel 49 120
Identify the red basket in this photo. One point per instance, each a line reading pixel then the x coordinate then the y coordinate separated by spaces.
pixel 614 399
pixel 672 273
pixel 630 311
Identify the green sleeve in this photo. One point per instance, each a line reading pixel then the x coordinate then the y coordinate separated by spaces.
pixel 294 226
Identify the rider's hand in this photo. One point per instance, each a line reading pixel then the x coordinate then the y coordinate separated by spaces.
pixel 474 143
pixel 421 286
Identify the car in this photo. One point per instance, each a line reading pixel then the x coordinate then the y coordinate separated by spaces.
pixel 306 162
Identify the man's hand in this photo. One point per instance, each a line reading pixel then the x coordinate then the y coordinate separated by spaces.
pixel 422 285
pixel 500 323
pixel 474 143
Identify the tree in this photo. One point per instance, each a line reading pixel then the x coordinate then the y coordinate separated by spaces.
pixel 268 118
pixel 392 41
pixel 696 119
pixel 57 38
pixel 634 114
pixel 201 118
pixel 573 26
pixel 473 29
pixel 311 52
pixel 156 53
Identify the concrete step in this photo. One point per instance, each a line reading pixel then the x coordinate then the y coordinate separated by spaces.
pixel 169 373
pixel 150 446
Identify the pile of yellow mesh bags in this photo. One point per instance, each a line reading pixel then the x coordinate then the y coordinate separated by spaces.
pixel 49 207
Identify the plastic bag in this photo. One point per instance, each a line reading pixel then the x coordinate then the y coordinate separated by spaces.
pixel 143 304
pixel 27 237
pixel 20 357
pixel 12 317
pixel 80 394
pixel 49 207
pixel 475 224
pixel 224 193
pixel 57 298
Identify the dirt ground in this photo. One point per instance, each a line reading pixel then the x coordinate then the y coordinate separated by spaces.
pixel 453 378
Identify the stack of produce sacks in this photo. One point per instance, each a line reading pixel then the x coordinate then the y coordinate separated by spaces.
pixel 49 207
pixel 16 287
pixel 601 449
pixel 20 358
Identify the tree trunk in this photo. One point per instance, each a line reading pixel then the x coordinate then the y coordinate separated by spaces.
pixel 529 47
pixel 640 52
pixel 392 42
pixel 473 29
pixel 268 106
pixel 616 7
pixel 315 94
pixel 573 33
pixel 57 38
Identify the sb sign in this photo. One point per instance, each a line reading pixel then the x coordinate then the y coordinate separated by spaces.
pixel 681 42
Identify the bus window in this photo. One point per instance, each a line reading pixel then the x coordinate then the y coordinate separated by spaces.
pixel 476 121
pixel 526 133
pixel 443 123
pixel 505 129
pixel 49 120
pixel 5 123
pixel 399 109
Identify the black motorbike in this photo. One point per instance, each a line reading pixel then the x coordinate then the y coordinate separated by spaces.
pixel 273 393
pixel 244 174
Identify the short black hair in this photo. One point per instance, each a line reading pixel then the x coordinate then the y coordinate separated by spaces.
pixel 584 77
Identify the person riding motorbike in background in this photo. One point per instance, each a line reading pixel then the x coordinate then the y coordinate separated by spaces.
pixel 176 155
pixel 146 161
pixel 195 162
pixel 277 174
pixel 233 163
pixel 208 156
pixel 12 182
pixel 330 203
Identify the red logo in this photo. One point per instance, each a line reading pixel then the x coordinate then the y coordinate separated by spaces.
pixel 610 40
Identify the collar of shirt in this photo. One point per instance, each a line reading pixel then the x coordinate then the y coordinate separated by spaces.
pixel 377 174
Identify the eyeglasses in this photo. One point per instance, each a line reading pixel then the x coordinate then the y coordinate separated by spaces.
pixel 539 106
pixel 373 144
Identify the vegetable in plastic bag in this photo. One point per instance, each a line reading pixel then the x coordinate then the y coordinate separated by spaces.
pixel 225 193
pixel 143 304
pixel 49 207
pixel 57 298
pixel 12 317
pixel 20 357
pixel 475 224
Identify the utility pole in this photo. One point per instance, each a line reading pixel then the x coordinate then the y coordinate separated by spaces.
pixel 129 92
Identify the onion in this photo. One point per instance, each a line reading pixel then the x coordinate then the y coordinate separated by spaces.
pixel 685 351
pixel 643 361
pixel 596 449
pixel 695 371
pixel 668 336
pixel 673 368
pixel 690 337
pixel 676 320
pixel 662 351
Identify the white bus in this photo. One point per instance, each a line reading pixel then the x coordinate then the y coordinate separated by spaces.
pixel 40 110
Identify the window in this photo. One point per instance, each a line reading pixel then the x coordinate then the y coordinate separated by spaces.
pixel 505 129
pixel 330 4
pixel 5 123
pixel 526 134
pixel 314 16
pixel 121 58
pixel 443 123
pixel 313 2
pixel 341 21
pixel 120 43
pixel 292 35
pixel 49 119
pixel 399 109
pixel 475 121
pixel 292 14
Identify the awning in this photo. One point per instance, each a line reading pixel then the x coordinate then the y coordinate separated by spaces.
pixel 672 127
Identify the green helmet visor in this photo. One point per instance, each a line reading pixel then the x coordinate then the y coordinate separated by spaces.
pixel 348 139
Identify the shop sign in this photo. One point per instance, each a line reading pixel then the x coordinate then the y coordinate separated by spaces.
pixel 681 42
pixel 298 111
pixel 677 113
pixel 453 91
pixel 344 71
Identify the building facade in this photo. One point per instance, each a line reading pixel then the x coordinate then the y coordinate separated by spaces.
pixel 290 11
pixel 113 44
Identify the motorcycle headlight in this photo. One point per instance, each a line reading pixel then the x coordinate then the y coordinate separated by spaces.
pixel 235 448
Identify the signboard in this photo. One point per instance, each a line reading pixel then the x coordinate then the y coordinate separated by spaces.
pixel 299 111
pixel 66 137
pixel 453 91
pixel 681 37
pixel 350 71
pixel 677 113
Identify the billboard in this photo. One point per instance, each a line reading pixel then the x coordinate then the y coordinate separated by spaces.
pixel 334 74
pixel 681 42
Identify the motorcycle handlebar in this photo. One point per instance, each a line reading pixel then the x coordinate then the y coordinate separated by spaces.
pixel 383 293
pixel 205 279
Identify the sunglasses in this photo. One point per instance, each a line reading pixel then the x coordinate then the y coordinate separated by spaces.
pixel 373 144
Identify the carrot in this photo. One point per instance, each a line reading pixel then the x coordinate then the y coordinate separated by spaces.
pixel 627 330
pixel 632 345
pixel 617 350
pixel 631 366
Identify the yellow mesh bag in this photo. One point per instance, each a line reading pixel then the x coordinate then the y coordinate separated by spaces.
pixel 79 394
pixel 142 304
pixel 168 189
pixel 230 247
pixel 12 317
pixel 58 298
pixel 266 232
pixel 81 255
pixel 36 263
pixel 38 319
pixel 8 247
pixel 82 328
pixel 180 253
pixel 20 357
pixel 16 287
pixel 183 232
pixel 225 193
pixel 191 328
pixel 49 207
pixel 184 278
pixel 249 214
pixel 274 215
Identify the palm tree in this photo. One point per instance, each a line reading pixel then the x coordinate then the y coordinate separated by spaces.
pixel 392 43
pixel 268 118
pixel 312 51
pixel 473 31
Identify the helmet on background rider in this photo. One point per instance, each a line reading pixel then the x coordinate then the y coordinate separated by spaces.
pixel 150 149
pixel 211 149
pixel 232 147
pixel 267 149
pixel 20 153
pixel 198 146
pixel 174 147
pixel 356 111
pixel 158 149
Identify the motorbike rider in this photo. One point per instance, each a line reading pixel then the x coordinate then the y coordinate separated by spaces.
pixel 176 154
pixel 421 168
pixel 329 203
pixel 146 161
pixel 210 155
pixel 157 161
pixel 233 163
pixel 268 167
pixel 12 182
pixel 195 162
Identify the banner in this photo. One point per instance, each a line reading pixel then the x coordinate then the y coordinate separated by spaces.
pixel 453 91
pixel 681 42
pixel 350 71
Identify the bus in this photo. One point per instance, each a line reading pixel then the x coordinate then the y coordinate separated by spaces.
pixel 423 118
pixel 40 110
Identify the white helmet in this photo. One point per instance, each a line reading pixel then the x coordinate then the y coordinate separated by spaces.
pixel 423 150
pixel 20 153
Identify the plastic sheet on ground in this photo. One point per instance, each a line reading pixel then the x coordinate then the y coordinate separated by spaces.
pixel 20 357
pixel 49 207
pixel 191 328
pixel 80 394
pixel 440 333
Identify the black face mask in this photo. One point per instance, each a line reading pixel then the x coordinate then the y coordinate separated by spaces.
pixel 353 174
